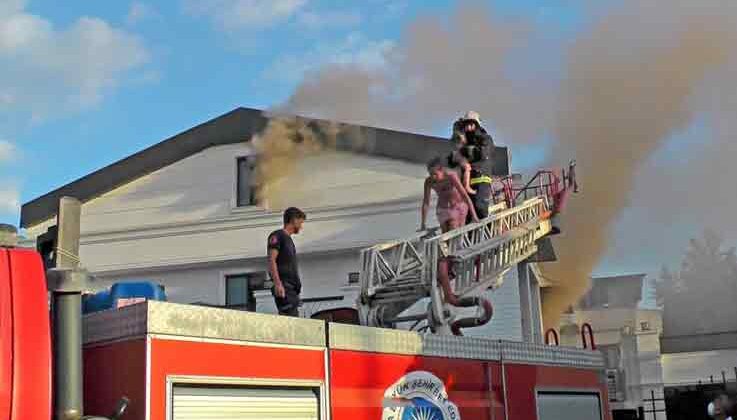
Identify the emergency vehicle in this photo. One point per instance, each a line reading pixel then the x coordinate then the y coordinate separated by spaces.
pixel 173 362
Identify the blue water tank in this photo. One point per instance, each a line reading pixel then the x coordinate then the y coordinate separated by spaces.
pixel 122 294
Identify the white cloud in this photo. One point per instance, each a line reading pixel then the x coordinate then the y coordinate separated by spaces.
pixel 323 19
pixel 9 199
pixel 139 12
pixel 7 151
pixel 354 49
pixel 45 70
pixel 245 14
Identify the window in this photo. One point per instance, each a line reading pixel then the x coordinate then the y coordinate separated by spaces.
pixel 239 290
pixel 353 277
pixel 190 401
pixel 246 189
pixel 568 405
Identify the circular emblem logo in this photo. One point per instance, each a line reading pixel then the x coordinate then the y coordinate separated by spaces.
pixel 418 395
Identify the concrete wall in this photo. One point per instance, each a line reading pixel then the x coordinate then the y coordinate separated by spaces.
pixel 692 367
pixel 635 333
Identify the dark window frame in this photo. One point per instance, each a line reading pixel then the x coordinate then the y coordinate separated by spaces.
pixel 241 200
pixel 253 282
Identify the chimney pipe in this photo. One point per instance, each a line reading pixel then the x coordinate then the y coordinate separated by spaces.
pixel 66 282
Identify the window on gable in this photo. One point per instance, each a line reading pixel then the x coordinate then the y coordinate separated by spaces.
pixel 354 277
pixel 247 190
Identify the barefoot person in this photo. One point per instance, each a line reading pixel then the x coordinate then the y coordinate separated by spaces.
pixel 452 208
pixel 453 204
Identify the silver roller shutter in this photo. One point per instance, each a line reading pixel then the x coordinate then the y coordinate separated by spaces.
pixel 568 406
pixel 243 403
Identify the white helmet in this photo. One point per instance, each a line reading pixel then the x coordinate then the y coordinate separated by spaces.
pixel 473 115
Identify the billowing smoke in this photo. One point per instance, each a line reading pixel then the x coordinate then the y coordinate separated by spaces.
pixel 630 86
pixel 633 77
pixel 285 143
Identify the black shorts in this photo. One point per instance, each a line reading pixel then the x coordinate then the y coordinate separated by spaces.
pixel 289 304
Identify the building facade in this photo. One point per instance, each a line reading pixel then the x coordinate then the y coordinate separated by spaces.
pixel 182 214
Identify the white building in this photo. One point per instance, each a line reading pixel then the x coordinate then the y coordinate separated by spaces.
pixel 180 213
pixel 629 336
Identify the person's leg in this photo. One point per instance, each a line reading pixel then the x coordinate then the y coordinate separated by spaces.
pixel 444 279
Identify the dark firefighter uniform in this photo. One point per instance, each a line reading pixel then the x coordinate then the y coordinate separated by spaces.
pixel 477 150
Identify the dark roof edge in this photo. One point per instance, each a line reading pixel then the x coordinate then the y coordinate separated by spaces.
pixel 235 126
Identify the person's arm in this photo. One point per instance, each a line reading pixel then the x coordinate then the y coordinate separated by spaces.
pixel 425 204
pixel 457 184
pixel 274 246
pixel 467 178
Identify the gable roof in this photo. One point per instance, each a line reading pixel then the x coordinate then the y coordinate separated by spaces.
pixel 235 126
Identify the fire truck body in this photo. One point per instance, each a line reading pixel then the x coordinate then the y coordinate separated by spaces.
pixel 25 337
pixel 181 362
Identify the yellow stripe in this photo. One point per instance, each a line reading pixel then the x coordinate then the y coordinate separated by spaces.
pixel 481 180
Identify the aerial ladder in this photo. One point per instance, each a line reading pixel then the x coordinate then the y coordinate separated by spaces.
pixel 397 275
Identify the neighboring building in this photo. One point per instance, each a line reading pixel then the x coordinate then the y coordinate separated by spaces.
pixel 629 337
pixel 181 213
pixel 699 341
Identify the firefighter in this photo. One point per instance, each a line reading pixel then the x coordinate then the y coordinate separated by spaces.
pixel 476 147
pixel 283 268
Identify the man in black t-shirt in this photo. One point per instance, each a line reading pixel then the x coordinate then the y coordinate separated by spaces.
pixel 283 263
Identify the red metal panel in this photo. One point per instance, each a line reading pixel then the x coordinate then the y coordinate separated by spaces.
pixel 112 371
pixel 522 381
pixel 173 357
pixel 6 336
pixel 358 381
pixel 32 337
pixel 497 391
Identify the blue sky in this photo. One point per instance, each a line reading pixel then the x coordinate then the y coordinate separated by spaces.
pixel 85 84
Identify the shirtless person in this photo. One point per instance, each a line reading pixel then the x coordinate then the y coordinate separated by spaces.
pixel 453 206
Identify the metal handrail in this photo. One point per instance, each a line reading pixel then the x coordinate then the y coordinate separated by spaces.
pixel 399 273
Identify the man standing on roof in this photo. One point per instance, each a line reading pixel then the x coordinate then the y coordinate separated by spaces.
pixel 476 146
pixel 283 263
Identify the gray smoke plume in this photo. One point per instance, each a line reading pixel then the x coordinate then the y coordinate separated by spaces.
pixel 627 92
pixel 634 76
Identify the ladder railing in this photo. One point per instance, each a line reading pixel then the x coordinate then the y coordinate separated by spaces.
pixel 396 275
pixel 481 253
pixel 392 262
